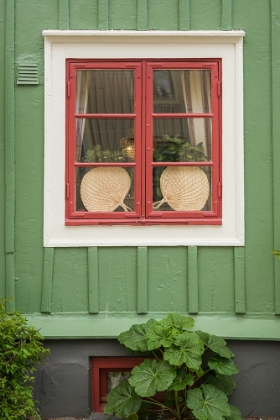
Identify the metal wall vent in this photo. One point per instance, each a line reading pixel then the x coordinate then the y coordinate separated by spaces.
pixel 27 74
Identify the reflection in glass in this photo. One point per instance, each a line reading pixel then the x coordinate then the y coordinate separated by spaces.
pixel 182 188
pixel 105 189
pixel 182 91
pixel 104 140
pixel 114 378
pixel 182 139
pixel 105 91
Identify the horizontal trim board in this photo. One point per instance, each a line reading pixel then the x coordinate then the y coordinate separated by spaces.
pixel 104 326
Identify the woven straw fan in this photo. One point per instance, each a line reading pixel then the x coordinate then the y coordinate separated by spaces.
pixel 105 188
pixel 183 188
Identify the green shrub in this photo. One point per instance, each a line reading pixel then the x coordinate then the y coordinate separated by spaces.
pixel 193 369
pixel 21 350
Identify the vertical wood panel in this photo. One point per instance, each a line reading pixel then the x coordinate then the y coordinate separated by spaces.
pixel 93 280
pixel 239 280
pixel 63 14
pixel 275 97
pixel 193 279
pixel 142 280
pixel 46 299
pixel 142 15
pixel 103 15
pixel 226 15
pixel 10 151
pixel 184 15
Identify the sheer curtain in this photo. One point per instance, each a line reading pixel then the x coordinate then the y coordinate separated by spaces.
pixel 196 86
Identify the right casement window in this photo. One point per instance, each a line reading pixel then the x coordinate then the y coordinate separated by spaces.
pixel 143 142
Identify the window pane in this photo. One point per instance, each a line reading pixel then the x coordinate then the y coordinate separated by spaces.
pixel 182 91
pixel 105 189
pixel 182 188
pixel 114 378
pixel 182 139
pixel 104 140
pixel 105 91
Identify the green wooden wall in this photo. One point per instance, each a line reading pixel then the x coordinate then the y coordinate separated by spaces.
pixel 97 292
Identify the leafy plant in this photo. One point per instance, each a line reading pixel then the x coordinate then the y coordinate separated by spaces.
pixel 276 252
pixel 21 349
pixel 97 154
pixel 193 369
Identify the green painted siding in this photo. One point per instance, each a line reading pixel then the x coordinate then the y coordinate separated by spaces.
pixel 100 291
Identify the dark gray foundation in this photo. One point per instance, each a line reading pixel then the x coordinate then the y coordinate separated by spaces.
pixel 63 385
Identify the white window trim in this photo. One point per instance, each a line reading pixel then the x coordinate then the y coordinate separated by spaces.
pixel 227 45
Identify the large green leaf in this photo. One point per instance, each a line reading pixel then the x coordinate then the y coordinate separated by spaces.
pixel 222 365
pixel 151 376
pixel 122 400
pixel 136 337
pixel 224 382
pixel 235 413
pixel 159 336
pixel 181 380
pixel 180 322
pixel 208 403
pixel 216 344
pixel 188 350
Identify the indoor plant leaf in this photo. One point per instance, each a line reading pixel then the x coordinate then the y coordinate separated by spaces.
pixel 135 338
pixel 181 380
pixel 159 335
pixel 216 344
pixel 178 321
pixel 224 382
pixel 188 350
pixel 235 413
pixel 151 376
pixel 122 400
pixel 208 403
pixel 223 365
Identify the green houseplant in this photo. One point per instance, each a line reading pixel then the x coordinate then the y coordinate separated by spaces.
pixel 21 350
pixel 193 369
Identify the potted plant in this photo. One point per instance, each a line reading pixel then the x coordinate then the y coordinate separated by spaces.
pixel 192 369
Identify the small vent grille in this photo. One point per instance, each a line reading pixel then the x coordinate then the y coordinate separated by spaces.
pixel 27 74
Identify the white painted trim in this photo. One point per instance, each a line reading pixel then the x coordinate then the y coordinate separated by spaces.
pixel 227 45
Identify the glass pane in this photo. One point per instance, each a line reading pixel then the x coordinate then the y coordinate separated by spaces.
pixel 105 91
pixel 114 378
pixel 182 188
pixel 182 91
pixel 105 189
pixel 104 140
pixel 182 139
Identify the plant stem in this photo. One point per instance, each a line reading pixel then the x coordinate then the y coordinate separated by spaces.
pixel 177 405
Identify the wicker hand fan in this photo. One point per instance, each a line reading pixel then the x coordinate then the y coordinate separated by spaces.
pixel 183 188
pixel 105 188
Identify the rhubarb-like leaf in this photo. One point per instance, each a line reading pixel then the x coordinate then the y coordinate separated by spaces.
pixel 178 321
pixel 151 376
pixel 222 365
pixel 122 400
pixel 216 344
pixel 188 350
pixel 136 337
pixel 235 413
pixel 181 380
pixel 224 382
pixel 208 403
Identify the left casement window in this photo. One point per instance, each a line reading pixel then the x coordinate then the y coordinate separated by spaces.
pixel 143 142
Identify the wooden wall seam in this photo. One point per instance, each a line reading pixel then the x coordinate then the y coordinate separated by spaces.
pixel 103 15
pixel 93 280
pixel 9 131
pixel 142 280
pixel 184 15
pixel 193 293
pixel 46 298
pixel 239 280
pixel 63 14
pixel 275 111
pixel 142 15
pixel 226 23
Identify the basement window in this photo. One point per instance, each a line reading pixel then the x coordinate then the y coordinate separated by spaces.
pixel 106 373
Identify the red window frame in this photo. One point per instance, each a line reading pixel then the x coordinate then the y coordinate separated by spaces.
pixel 100 366
pixel 143 164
